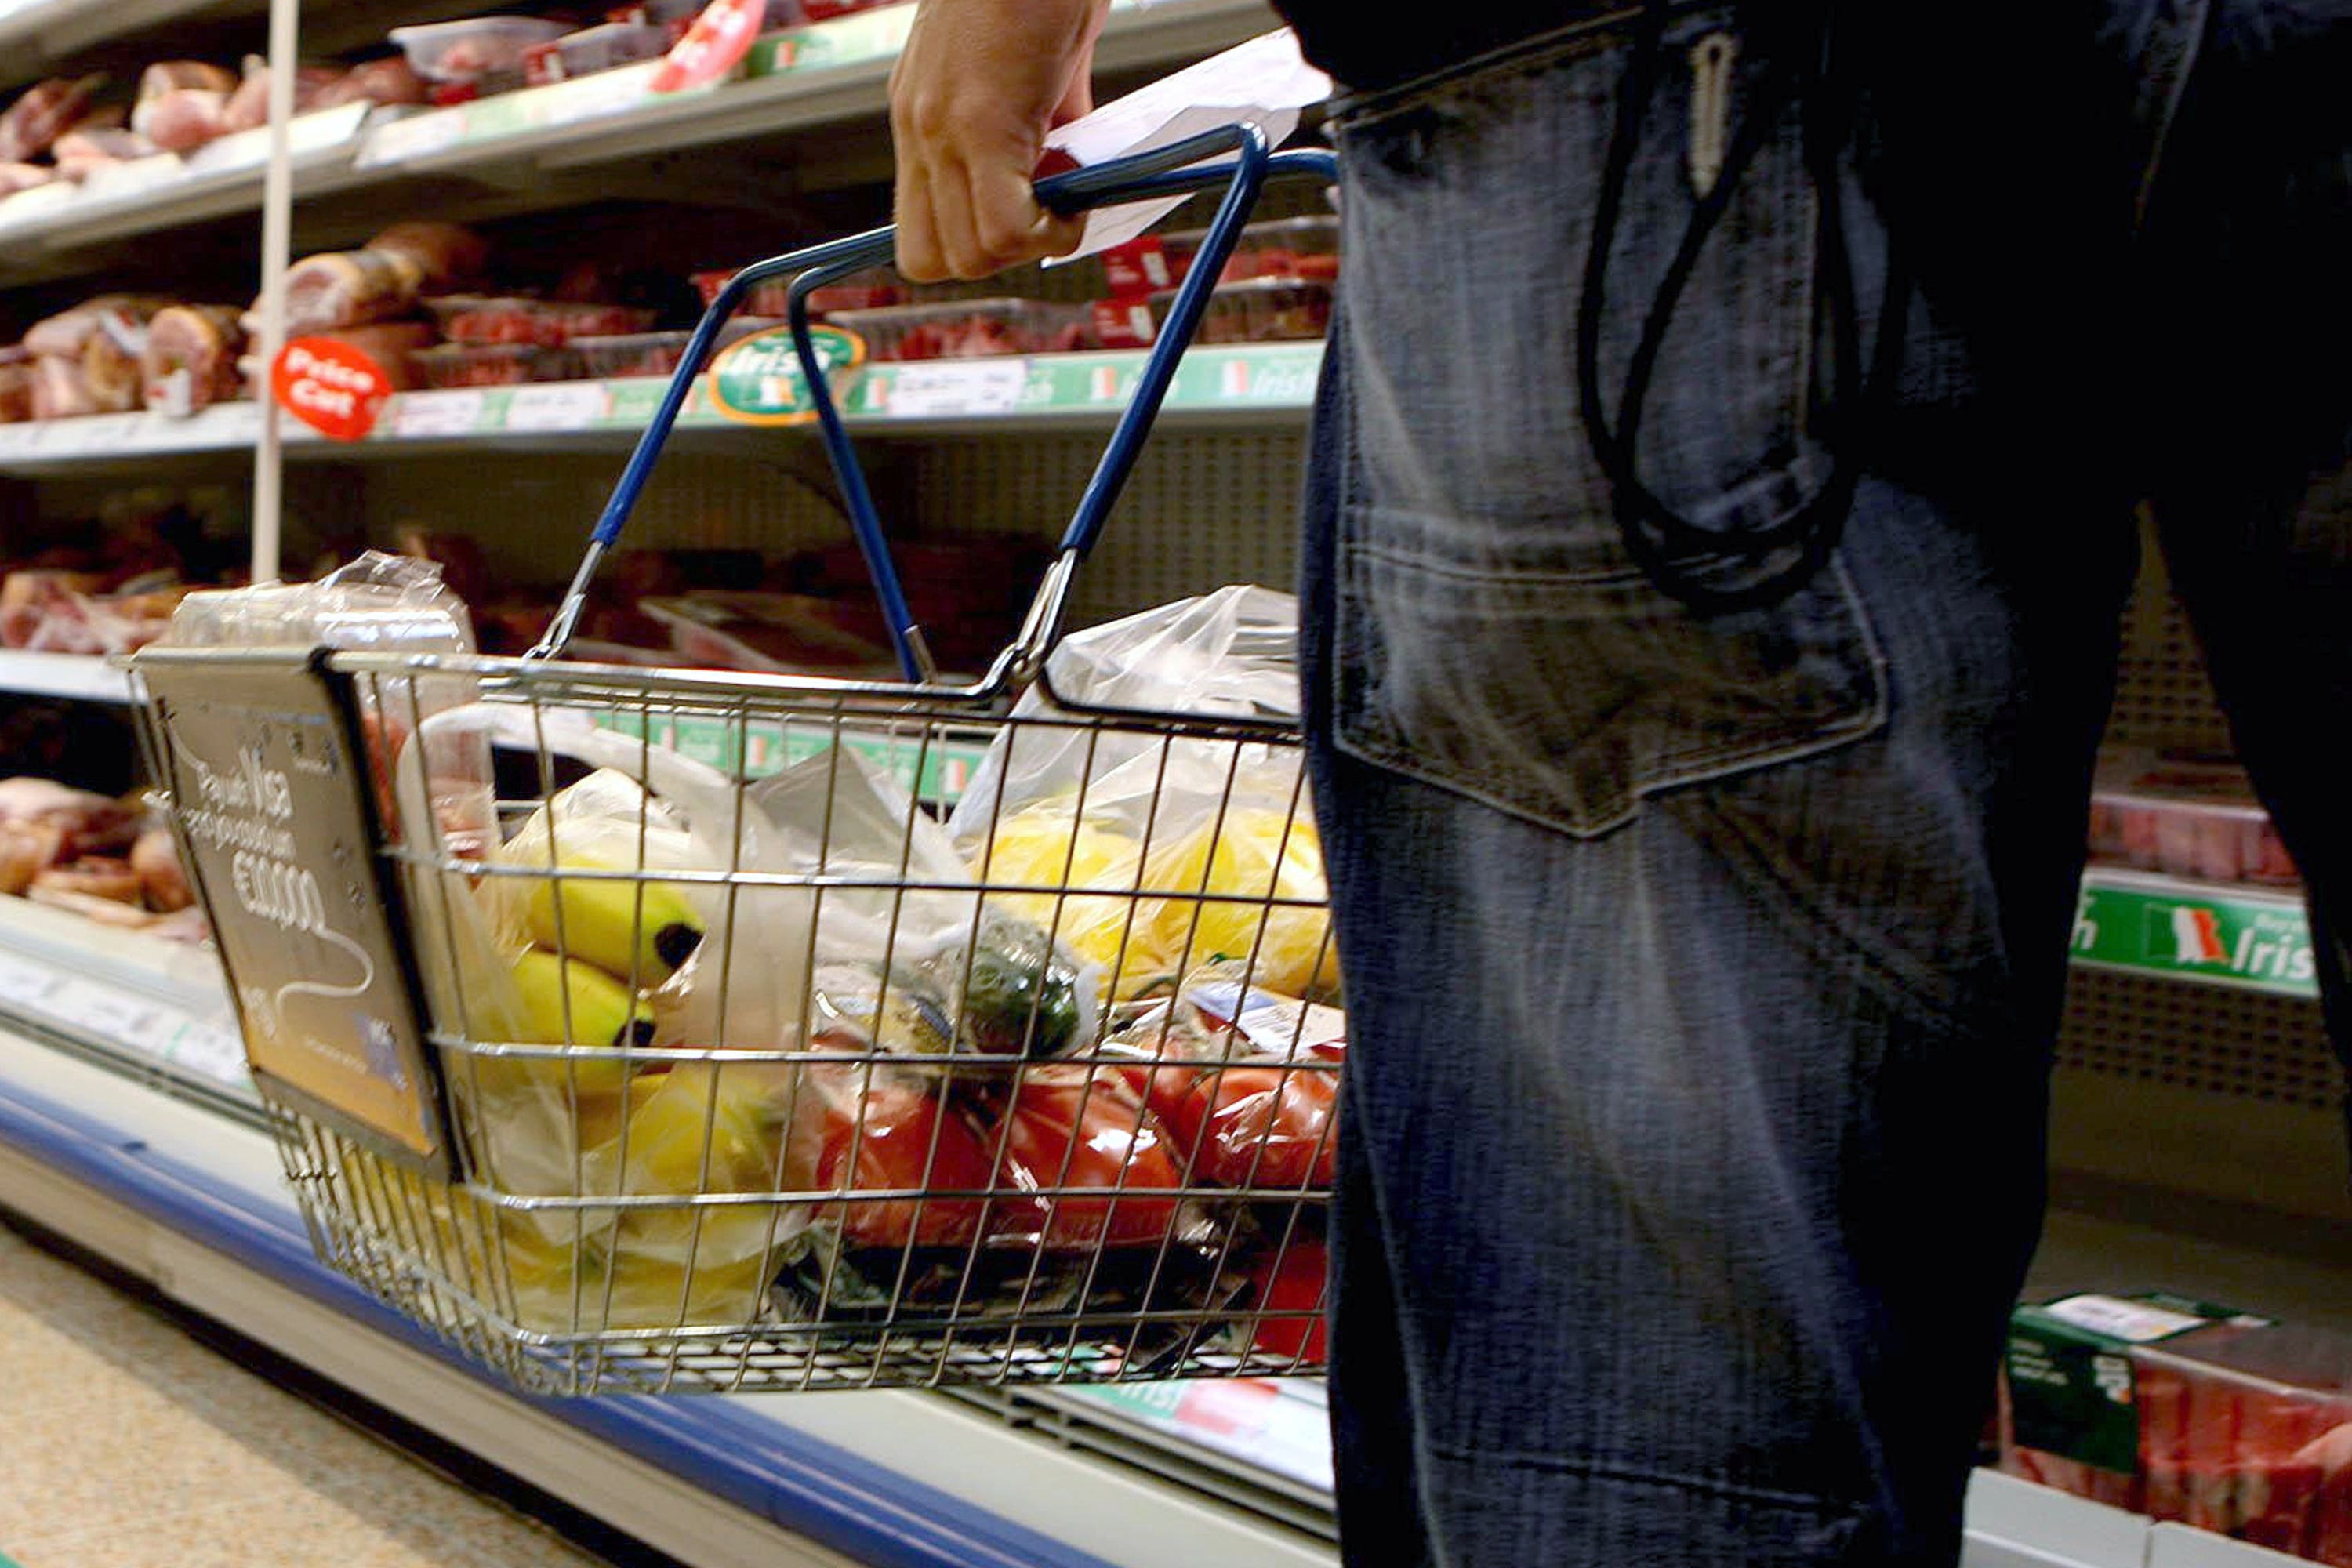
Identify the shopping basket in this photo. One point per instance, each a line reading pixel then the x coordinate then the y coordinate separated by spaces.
pixel 789 1064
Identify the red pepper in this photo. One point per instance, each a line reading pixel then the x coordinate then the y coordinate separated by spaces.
pixel 1231 1113
pixel 1068 1128
pixel 891 1131
pixel 1292 1280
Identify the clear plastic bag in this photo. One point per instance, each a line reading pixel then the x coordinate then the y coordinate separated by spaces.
pixel 1178 851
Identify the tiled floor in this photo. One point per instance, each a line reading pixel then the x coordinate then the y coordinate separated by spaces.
pixel 124 1443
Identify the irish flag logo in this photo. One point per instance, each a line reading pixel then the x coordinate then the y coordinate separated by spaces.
pixel 2196 936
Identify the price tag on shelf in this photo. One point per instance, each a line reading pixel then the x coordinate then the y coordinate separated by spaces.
pixel 419 415
pixel 558 405
pixel 112 182
pixel 15 440
pixel 25 984
pixel 209 1052
pixel 938 388
pixel 593 97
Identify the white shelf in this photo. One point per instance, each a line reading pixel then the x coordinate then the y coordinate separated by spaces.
pixel 822 74
pixel 36 33
pixel 160 1004
pixel 83 676
pixel 1244 383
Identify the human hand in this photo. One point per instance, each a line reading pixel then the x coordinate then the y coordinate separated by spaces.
pixel 971 98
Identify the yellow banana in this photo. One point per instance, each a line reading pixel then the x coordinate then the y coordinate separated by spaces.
pixel 640 931
pixel 574 1004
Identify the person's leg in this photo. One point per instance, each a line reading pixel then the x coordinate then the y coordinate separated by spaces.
pixel 2250 234
pixel 1701 973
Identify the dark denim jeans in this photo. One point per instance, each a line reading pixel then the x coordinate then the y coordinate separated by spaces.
pixel 1703 971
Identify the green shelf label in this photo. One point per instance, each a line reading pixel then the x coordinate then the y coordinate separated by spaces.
pixel 2194 934
pixel 939 771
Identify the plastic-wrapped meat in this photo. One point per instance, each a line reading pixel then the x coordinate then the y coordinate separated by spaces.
pixel 377 81
pixel 81 152
pixel 182 104
pixel 15 177
pixel 446 255
pixel 247 107
pixel 41 114
pixel 89 824
pixel 191 358
pixel 347 289
pixel 61 390
pixel 110 358
pixel 66 333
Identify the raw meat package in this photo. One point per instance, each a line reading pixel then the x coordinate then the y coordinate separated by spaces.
pixel 2185 815
pixel 382 279
pixel 773 298
pixel 591 50
pixel 2247 1431
pixel 387 343
pixel 492 365
pixel 191 358
pixel 1282 247
pixel 87 149
pixel 42 113
pixel 2071 1411
pixel 968 328
pixel 549 323
pixel 247 107
pixel 183 104
pixel 1258 311
pixel 390 80
pixel 475 48
pixel 628 355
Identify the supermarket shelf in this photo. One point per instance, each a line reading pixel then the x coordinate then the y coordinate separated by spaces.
pixel 34 34
pixel 1243 383
pixel 81 677
pixel 45 232
pixel 159 1010
pixel 2248 938
pixel 822 74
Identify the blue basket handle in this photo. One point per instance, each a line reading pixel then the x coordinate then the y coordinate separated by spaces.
pixel 1173 171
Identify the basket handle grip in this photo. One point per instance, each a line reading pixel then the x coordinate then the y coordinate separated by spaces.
pixel 1174 170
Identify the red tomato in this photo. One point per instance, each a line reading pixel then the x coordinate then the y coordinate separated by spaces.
pixel 1070 1129
pixel 1231 1112
pixel 1293 1281
pixel 892 1129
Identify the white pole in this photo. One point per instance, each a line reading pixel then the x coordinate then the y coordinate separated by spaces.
pixel 277 240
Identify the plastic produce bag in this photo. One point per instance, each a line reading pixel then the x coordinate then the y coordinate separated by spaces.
pixel 1183 850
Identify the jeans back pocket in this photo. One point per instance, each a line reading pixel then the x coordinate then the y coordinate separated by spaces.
pixel 1492 633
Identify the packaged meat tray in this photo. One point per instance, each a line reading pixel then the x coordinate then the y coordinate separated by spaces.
pixel 1305 247
pixel 968 329
pixel 549 323
pixel 1258 311
pixel 2185 815
pixel 872 292
pixel 2070 1409
pixel 475 48
pixel 625 354
pixel 2247 1431
pixel 591 50
pixel 492 365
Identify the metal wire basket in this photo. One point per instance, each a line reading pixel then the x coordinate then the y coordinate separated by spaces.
pixel 795 1066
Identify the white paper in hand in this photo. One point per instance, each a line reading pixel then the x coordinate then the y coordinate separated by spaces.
pixel 1265 82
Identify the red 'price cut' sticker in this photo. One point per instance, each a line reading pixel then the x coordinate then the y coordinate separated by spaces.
pixel 720 37
pixel 330 386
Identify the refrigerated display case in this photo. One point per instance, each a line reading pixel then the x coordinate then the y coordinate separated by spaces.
pixel 2198 1136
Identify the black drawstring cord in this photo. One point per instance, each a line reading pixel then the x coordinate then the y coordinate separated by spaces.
pixel 1668 547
